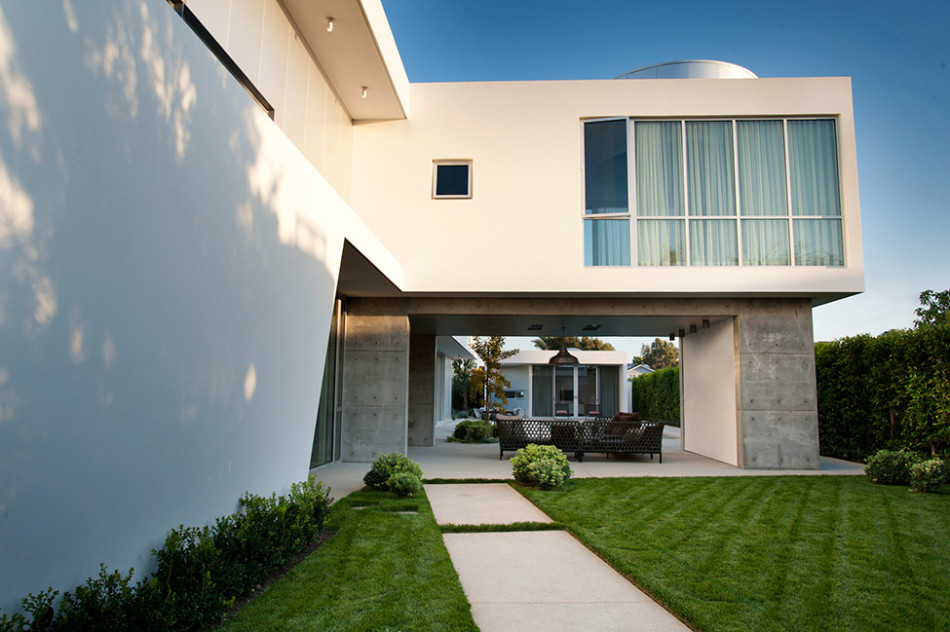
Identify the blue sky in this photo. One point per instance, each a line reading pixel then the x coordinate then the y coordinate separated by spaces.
pixel 897 54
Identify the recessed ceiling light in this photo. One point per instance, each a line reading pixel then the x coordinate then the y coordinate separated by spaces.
pixel 591 327
pixel 535 327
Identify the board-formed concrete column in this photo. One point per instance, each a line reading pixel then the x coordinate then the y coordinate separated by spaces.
pixel 375 380
pixel 422 385
pixel 777 403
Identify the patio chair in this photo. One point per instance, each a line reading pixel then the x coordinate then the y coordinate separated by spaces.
pixel 562 410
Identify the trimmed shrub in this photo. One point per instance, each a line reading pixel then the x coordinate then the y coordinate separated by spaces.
pixel 891 467
pixel 543 466
pixel 404 483
pixel 200 571
pixel 386 465
pixel 471 431
pixel 656 395
pixel 927 476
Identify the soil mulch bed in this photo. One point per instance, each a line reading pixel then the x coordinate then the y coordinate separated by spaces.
pixel 239 604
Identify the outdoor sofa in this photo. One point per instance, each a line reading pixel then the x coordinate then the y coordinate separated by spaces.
pixel 624 433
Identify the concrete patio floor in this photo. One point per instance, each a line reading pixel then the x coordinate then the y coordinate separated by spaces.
pixel 446 460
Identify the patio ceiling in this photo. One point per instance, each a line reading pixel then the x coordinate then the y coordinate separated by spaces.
pixel 593 325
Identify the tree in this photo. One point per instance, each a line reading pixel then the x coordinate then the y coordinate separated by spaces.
pixel 461 382
pixel 934 309
pixel 660 355
pixel 584 343
pixel 488 378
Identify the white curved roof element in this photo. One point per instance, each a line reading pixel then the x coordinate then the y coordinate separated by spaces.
pixel 691 69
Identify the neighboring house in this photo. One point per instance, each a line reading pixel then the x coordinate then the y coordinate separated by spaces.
pixel 231 252
pixel 638 370
pixel 595 385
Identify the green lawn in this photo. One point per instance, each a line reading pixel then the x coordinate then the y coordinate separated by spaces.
pixel 383 570
pixel 771 553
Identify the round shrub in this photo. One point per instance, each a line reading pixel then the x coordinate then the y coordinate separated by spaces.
pixel 927 476
pixel 404 483
pixel 472 430
pixel 891 467
pixel 386 465
pixel 544 466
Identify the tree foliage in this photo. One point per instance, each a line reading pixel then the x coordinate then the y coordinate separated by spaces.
pixel 583 343
pixel 488 380
pixel 660 354
pixel 461 382
pixel 934 309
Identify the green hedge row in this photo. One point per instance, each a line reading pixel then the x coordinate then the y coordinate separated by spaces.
pixel 656 396
pixel 200 574
pixel 886 392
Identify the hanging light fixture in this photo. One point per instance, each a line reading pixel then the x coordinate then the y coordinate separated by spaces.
pixel 562 356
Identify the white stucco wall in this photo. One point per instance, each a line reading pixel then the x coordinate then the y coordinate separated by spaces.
pixel 264 42
pixel 708 393
pixel 525 143
pixel 168 261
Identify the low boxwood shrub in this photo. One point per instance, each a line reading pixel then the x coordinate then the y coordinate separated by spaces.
pixel 891 467
pixel 200 571
pixel 404 483
pixel 927 476
pixel 386 466
pixel 473 431
pixel 543 466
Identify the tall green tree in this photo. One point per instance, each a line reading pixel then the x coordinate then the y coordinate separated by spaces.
pixel 934 309
pixel 660 354
pixel 488 379
pixel 583 343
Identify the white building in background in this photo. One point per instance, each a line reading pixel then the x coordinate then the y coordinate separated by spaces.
pixel 229 251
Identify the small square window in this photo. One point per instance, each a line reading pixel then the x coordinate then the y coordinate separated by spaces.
pixel 452 179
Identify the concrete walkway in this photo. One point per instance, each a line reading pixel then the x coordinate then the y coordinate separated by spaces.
pixel 535 580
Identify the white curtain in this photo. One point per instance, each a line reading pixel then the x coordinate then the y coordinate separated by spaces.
pixel 661 242
pixel 659 154
pixel 818 242
pixel 761 167
pixel 606 242
pixel 813 165
pixel 709 166
pixel 713 242
pixel 765 242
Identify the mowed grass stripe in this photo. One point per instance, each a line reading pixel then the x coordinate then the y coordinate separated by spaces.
pixel 771 553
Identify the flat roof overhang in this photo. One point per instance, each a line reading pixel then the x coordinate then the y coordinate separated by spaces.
pixel 359 53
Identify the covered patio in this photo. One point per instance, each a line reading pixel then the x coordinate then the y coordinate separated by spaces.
pixel 454 461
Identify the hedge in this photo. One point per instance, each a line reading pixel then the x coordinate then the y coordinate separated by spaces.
pixel 886 392
pixel 200 574
pixel 656 396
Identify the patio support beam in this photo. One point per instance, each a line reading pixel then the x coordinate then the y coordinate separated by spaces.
pixel 422 385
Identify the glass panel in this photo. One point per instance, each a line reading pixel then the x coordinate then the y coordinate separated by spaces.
pixel 606 242
pixel 452 180
pixel 542 394
pixel 322 451
pixel 713 242
pixel 709 165
pixel 813 164
pixel 587 390
pixel 765 242
pixel 818 242
pixel 761 167
pixel 605 166
pixel 564 391
pixel 609 390
pixel 659 168
pixel 661 242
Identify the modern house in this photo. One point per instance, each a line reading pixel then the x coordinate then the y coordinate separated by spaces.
pixel 229 251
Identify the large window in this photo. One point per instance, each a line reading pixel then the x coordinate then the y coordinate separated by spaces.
pixel 712 193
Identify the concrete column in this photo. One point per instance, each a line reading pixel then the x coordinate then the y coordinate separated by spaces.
pixel 375 379
pixel 422 385
pixel 777 404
